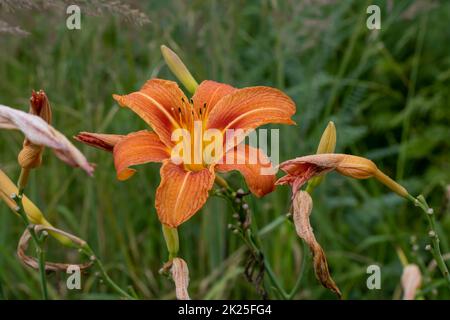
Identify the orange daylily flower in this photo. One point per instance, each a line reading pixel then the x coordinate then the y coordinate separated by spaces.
pixel 184 186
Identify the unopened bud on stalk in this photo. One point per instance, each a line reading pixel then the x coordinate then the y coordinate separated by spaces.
pixel 327 144
pixel 411 281
pixel 31 155
pixel 34 215
pixel 172 241
pixel 179 69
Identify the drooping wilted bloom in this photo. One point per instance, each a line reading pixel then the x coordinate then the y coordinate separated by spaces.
pixel 411 281
pixel 302 205
pixel 300 170
pixel 40 133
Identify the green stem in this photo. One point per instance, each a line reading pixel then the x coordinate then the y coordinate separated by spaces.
pixel 86 249
pixel 300 276
pixel 23 180
pixel 41 258
pixel 436 250
pixel 38 242
pixel 247 231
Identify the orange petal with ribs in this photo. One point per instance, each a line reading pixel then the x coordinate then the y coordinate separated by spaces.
pixel 137 148
pixel 208 93
pixel 157 103
pixel 250 108
pixel 254 165
pixel 181 193
pixel 99 140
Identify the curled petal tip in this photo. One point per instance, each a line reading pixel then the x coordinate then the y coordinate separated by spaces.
pixel 120 99
pixel 125 174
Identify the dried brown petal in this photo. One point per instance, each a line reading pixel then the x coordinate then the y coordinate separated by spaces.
pixel 49 266
pixel 180 275
pixel 411 281
pixel 302 207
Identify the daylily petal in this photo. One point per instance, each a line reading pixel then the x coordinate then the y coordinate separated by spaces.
pixel 300 170
pixel 254 165
pixel 181 193
pixel 157 103
pixel 137 148
pixel 250 108
pixel 210 92
pixel 99 140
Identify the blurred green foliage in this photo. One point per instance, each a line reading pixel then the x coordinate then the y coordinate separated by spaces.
pixel 386 90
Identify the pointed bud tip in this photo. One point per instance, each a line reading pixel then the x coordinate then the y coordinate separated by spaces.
pixel 179 69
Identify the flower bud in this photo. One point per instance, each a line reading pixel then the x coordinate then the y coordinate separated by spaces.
pixel 34 215
pixel 30 156
pixel 179 69
pixel 411 281
pixel 40 106
pixel 327 144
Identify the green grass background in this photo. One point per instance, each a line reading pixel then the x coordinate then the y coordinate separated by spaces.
pixel 387 92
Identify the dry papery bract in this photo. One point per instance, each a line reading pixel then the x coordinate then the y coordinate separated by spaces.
pixel 49 266
pixel 302 207
pixel 180 275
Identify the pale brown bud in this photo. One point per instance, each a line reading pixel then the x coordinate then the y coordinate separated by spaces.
pixel 411 281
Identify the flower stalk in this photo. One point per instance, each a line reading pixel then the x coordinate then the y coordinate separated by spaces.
pixel 86 249
pixel 172 241
pixel 435 247
pixel 38 241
